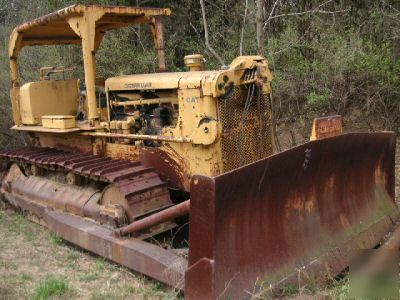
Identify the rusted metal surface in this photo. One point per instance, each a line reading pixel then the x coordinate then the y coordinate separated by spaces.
pixel 53 194
pixel 247 135
pixel 54 29
pixel 77 9
pixel 167 167
pixel 66 142
pixel 199 280
pixel 146 258
pixel 121 151
pixel 293 216
pixel 155 219
pixel 393 242
pixel 82 201
pixel 143 137
pixel 139 188
pixel 158 34
pixel 29 208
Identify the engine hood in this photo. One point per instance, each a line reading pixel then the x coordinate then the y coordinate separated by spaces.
pixel 212 83
pixel 156 81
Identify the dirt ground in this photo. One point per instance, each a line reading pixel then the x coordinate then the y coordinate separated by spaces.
pixel 29 254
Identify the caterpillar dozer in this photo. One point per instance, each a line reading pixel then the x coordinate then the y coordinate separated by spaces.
pixel 176 175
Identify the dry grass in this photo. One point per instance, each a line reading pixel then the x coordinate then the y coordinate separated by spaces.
pixel 36 264
pixel 333 288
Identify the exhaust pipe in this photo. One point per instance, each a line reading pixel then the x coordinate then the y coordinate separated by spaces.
pixel 154 219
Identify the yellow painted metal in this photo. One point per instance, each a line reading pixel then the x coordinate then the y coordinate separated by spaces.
pixel 54 28
pixel 58 122
pixel 142 101
pixel 200 96
pixel 158 35
pixel 153 81
pixel 208 125
pixel 140 137
pixel 45 72
pixel 85 25
pixel 15 91
pixel 207 80
pixel 199 121
pixel 41 129
pixel 195 62
pixel 47 97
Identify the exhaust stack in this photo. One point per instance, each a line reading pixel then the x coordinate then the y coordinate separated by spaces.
pixel 195 62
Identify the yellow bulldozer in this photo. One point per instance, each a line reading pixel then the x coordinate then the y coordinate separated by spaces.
pixel 117 163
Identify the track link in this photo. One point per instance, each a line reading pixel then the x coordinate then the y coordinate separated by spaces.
pixel 141 186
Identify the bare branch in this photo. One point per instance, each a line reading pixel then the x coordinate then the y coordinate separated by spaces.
pixel 242 33
pixel 395 13
pixel 195 29
pixel 137 33
pixel 310 12
pixel 317 10
pixel 395 9
pixel 203 12
pixel 289 46
pixel 272 10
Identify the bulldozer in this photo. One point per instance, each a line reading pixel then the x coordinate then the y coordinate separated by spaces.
pixel 115 165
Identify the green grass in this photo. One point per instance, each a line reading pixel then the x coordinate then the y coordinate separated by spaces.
pixel 72 255
pixel 339 289
pixel 18 223
pixel 25 277
pixel 51 286
pixel 55 239
pixel 101 264
pixel 103 296
pixel 91 276
pixel 290 290
pixel 7 264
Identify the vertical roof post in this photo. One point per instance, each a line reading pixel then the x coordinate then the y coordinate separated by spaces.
pixel 85 27
pixel 158 34
pixel 13 51
pixel 15 91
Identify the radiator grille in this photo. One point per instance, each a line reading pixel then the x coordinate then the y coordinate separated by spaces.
pixel 246 136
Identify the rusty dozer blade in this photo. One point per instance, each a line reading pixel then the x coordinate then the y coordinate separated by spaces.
pixel 294 215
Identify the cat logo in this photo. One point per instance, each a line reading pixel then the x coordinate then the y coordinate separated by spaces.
pixel 192 99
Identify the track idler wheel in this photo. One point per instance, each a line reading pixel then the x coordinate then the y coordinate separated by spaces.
pixel 73 179
pixel 35 170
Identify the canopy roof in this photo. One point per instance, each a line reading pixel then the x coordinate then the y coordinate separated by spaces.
pixel 56 28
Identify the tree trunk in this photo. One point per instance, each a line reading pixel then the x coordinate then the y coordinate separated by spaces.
pixel 259 27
